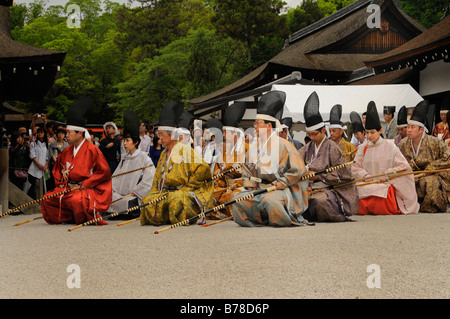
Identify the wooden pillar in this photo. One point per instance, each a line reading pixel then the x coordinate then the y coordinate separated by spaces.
pixel 4 185
pixel 4 165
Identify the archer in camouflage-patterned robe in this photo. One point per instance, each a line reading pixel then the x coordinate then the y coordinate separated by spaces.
pixel 329 204
pixel 181 177
pixel 432 190
pixel 279 207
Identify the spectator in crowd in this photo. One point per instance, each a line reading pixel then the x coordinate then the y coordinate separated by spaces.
pixel 19 160
pixel 54 149
pixel 39 164
pixel 156 149
pixel 110 145
pixel 51 133
pixel 22 130
pixel 144 145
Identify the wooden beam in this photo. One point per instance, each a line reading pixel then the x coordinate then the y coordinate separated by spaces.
pixel 17 197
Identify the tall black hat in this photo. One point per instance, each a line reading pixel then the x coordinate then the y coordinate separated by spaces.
pixel 185 122
pixel 270 107
pixel 313 119
pixel 402 117
pixel 372 117
pixel 169 116
pixel 214 123
pixel 419 115
pixel 233 115
pixel 215 128
pixel 389 110
pixel 335 116
pixel 286 122
pixel 131 124
pixel 76 114
pixel 357 124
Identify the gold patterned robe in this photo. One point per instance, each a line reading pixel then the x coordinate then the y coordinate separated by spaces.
pixel 181 177
pixel 348 149
pixel 432 190
pixel 231 183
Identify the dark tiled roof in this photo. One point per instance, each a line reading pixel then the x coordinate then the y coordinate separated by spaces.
pixel 316 26
pixel 15 52
pixel 438 36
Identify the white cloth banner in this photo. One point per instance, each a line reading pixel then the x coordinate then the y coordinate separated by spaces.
pixel 351 97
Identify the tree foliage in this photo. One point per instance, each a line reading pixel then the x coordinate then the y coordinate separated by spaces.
pixel 427 13
pixel 140 57
pixel 248 20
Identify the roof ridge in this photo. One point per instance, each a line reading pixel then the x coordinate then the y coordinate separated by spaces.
pixel 329 19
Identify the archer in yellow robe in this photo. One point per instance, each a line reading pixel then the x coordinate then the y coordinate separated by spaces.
pixel 186 178
pixel 348 149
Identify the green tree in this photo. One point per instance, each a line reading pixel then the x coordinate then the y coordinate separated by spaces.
pixel 18 14
pixel 427 13
pixel 305 14
pixel 55 14
pixel 111 73
pixel 158 23
pixel 188 67
pixel 90 9
pixel 35 10
pixel 202 71
pixel 331 6
pixel 248 20
pixel 155 81
pixel 75 77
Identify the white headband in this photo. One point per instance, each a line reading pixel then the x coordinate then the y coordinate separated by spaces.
pixel 79 129
pixel 315 127
pixel 166 128
pixel 338 126
pixel 75 128
pixel 413 122
pixel 266 117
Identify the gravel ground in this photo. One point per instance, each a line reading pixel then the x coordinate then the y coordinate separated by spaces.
pixel 227 261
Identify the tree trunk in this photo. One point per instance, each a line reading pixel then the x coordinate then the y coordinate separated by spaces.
pixel 5 29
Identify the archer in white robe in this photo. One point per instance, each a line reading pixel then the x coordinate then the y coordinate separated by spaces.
pixel 385 157
pixel 138 183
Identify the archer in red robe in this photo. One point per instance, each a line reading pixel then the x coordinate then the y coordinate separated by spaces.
pixel 88 169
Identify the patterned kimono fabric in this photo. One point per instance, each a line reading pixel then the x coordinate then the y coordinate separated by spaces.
pixel 230 184
pixel 327 204
pixel 347 148
pixel 88 168
pixel 432 154
pixel 391 129
pixel 396 197
pixel 181 176
pixel 278 161
pixel 441 129
pixel 138 183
